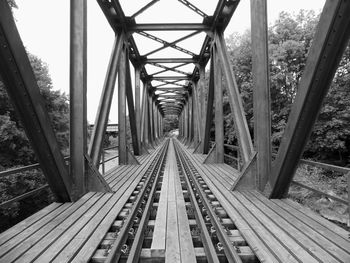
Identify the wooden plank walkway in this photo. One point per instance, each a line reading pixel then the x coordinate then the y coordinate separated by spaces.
pixel 71 232
pixel 172 236
pixel 276 230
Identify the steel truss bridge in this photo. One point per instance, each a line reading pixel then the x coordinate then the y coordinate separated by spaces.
pixel 173 199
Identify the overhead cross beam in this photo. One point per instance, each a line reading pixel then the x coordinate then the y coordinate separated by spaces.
pixel 178 78
pixel 168 27
pixel 171 60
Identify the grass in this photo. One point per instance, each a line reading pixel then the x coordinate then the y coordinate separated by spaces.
pixel 332 183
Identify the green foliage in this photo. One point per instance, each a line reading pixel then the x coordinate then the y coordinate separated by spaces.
pixel 12 3
pixel 15 148
pixel 171 123
pixel 290 38
pixel 12 186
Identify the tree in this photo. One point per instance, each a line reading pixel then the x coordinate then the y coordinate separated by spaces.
pixel 290 38
pixel 15 148
pixel 12 3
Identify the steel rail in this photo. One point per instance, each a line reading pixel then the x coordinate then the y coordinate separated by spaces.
pixel 207 242
pixel 230 252
pixel 136 247
pixel 115 253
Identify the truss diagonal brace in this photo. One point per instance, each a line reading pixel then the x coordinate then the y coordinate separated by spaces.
pixel 169 44
pixel 144 8
pixel 241 126
pixel 18 77
pixel 169 69
pixel 104 107
pixel 193 8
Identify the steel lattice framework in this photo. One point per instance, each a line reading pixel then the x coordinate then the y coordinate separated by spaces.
pixel 172 90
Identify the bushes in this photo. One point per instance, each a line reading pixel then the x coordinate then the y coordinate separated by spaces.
pixel 14 185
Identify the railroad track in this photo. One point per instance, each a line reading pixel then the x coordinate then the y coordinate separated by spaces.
pixel 145 227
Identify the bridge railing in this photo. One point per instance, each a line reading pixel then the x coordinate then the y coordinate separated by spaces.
pixel 36 166
pixel 103 157
pixel 236 160
pixel 329 167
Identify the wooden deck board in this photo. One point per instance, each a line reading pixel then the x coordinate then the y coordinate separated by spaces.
pixel 185 239
pixel 302 210
pixel 83 245
pixel 26 223
pixel 286 234
pixel 62 231
pixel 159 234
pixel 276 230
pixel 35 233
pixel 321 234
pixel 172 236
pixel 311 239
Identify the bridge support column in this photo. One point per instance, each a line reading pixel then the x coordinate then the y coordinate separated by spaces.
pixel 144 120
pixel 202 108
pixel 150 110
pixel 196 120
pixel 189 113
pixel 122 142
pixel 137 105
pixel 209 110
pixel 78 117
pixel 219 116
pixel 260 70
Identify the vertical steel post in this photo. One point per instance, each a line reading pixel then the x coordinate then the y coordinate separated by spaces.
pixel 195 116
pixel 122 108
pixel 78 120
pixel 103 161
pixel 189 119
pixel 201 85
pixel 150 111
pixel 209 112
pixel 137 104
pixel 260 70
pixel 219 115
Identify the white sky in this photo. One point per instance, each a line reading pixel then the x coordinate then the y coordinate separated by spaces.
pixel 44 28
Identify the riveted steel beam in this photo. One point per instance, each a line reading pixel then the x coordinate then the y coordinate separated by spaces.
pixel 169 27
pixel 171 60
